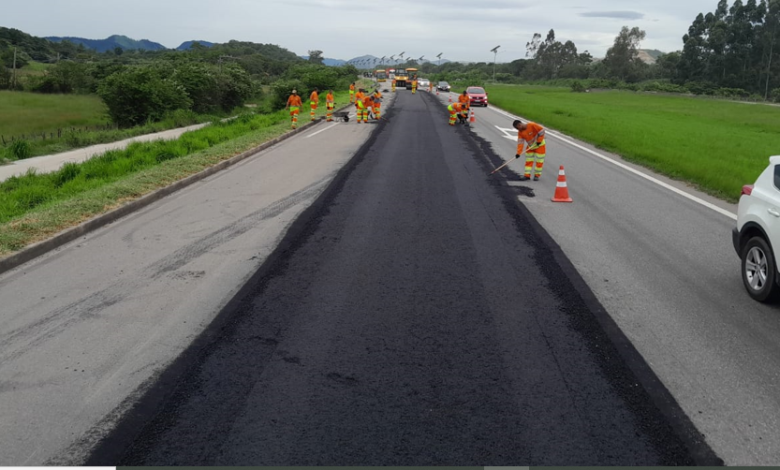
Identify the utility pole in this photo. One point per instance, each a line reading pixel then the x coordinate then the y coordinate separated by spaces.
pixel 439 57
pixel 495 56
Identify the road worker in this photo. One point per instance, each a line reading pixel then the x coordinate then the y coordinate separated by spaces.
pixel 368 101
pixel 430 86
pixel 352 93
pixel 360 105
pixel 454 109
pixel 330 103
pixel 414 84
pixel 531 135
pixel 393 84
pixel 377 105
pixel 465 102
pixel 294 104
pixel 314 101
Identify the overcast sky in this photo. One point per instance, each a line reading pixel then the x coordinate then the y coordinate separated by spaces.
pixel 463 30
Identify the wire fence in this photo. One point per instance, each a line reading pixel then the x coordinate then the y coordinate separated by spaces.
pixel 58 134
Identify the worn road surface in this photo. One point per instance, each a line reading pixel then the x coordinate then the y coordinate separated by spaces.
pixel 421 317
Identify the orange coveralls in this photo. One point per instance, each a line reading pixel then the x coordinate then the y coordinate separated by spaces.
pixel 532 135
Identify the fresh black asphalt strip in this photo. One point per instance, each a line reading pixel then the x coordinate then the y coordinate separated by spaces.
pixel 416 314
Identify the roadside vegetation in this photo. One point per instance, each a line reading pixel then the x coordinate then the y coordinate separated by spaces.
pixel 34 206
pixel 716 145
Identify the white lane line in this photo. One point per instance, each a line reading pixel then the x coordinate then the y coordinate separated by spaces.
pixel 321 130
pixel 682 193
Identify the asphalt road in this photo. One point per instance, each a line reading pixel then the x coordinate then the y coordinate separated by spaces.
pixel 421 316
pixel 87 328
pixel 664 267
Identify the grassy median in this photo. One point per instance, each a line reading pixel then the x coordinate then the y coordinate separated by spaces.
pixel 36 206
pixel 717 145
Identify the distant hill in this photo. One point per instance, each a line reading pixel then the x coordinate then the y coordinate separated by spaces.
pixel 111 43
pixel 327 61
pixel 35 48
pixel 185 46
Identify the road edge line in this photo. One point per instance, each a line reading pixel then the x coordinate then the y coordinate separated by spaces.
pixel 571 141
pixel 39 249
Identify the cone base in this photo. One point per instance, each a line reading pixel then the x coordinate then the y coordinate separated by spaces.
pixel 561 199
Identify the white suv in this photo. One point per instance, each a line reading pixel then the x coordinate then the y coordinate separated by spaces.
pixel 758 231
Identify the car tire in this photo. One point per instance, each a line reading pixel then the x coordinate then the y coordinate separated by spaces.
pixel 759 271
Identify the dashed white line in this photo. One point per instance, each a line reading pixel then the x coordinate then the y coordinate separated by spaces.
pixel 321 130
pixel 678 191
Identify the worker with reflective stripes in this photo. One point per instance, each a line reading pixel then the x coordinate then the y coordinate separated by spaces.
pixel 454 109
pixel 414 85
pixel 377 105
pixel 368 102
pixel 360 105
pixel 393 84
pixel 352 93
pixel 430 87
pixel 314 101
pixel 532 136
pixel 330 103
pixel 464 101
pixel 294 104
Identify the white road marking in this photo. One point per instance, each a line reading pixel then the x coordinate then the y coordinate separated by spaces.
pixel 508 133
pixel 321 130
pixel 678 191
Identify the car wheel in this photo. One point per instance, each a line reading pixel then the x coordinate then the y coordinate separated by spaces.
pixel 759 270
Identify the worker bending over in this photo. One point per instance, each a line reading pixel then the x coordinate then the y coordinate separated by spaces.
pixel 294 104
pixel 330 103
pixel 454 109
pixel 368 101
pixel 532 136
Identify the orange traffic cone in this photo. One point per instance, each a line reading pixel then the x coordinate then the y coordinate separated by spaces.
pixel 450 96
pixel 562 189
pixel 473 118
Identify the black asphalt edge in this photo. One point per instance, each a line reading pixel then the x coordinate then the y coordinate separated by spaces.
pixel 119 442
pixel 695 442
pixel 35 250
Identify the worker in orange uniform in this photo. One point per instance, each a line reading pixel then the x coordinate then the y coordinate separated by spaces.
pixel 352 93
pixel 314 101
pixel 377 105
pixel 532 136
pixel 465 102
pixel 430 87
pixel 454 109
pixel 294 104
pixel 360 105
pixel 330 103
pixel 393 84
pixel 414 85
pixel 368 101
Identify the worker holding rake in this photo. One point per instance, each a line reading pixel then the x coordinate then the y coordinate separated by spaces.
pixel 531 136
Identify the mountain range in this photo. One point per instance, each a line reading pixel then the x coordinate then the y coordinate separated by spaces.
pixel 123 42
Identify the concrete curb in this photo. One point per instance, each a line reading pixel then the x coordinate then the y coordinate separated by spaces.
pixel 38 249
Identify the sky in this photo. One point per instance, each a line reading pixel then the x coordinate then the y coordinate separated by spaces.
pixel 461 30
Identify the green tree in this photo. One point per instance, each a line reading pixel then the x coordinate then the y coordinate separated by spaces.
pixel 622 60
pixel 315 57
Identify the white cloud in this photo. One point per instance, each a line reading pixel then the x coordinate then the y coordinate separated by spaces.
pixel 461 29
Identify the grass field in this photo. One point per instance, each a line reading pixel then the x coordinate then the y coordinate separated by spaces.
pixel 717 145
pixel 36 206
pixel 26 113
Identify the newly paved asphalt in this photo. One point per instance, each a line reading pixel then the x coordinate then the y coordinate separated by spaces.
pixel 420 316
pixel 658 256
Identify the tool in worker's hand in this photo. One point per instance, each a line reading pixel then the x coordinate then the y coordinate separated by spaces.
pixel 504 165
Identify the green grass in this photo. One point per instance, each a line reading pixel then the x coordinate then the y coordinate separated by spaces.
pixel 718 146
pixel 34 207
pixel 34 113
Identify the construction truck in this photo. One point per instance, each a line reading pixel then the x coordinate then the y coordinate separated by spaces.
pixel 402 78
pixel 411 73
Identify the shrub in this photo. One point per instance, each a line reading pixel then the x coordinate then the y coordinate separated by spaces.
pixel 775 95
pixel 19 150
pixel 281 89
pixel 577 87
pixel 143 94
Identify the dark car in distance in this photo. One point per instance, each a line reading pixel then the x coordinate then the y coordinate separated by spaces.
pixel 443 86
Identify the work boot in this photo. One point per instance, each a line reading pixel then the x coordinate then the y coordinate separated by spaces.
pixel 525 178
pixel 536 178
